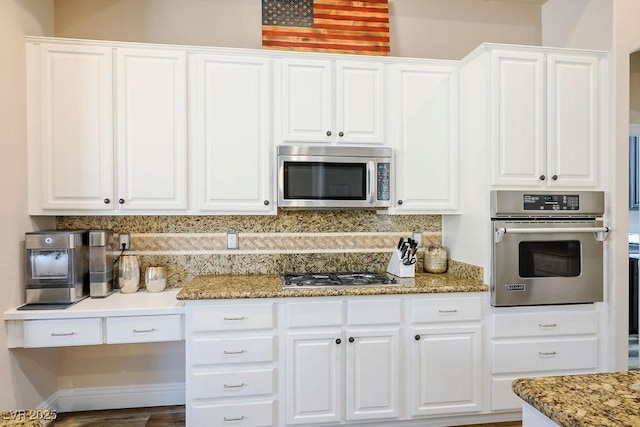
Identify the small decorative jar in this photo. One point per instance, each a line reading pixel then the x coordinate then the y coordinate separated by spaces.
pixel 435 259
pixel 129 274
pixel 155 279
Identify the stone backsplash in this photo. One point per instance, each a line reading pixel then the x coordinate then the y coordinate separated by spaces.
pixel 331 240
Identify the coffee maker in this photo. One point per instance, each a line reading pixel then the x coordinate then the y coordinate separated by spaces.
pixel 100 263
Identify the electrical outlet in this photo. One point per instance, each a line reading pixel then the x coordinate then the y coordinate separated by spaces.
pixel 417 236
pixel 232 240
pixel 123 239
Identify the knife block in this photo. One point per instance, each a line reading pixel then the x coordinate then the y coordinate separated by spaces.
pixel 397 268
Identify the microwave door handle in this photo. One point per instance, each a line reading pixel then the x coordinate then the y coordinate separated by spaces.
pixel 600 233
pixel 371 169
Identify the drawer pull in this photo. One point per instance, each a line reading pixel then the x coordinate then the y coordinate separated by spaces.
pixel 234 318
pixel 234 386
pixel 233 352
pixel 142 331
pixel 455 310
pixel 548 325
pixel 62 334
pixel 547 353
pixel 234 419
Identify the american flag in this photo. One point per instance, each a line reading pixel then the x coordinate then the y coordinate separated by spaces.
pixel 335 26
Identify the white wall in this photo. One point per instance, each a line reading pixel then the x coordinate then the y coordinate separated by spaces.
pixel 580 24
pixel 27 377
pixel 418 28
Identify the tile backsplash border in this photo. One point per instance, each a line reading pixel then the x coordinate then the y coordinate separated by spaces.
pixel 332 240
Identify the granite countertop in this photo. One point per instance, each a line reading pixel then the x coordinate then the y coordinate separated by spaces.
pixel 607 399
pixel 269 286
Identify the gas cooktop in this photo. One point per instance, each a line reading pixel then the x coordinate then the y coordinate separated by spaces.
pixel 336 280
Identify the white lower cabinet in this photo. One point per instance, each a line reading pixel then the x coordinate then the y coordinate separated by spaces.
pixel 333 360
pixel 446 362
pixel 540 341
pixel 356 362
pixel 231 354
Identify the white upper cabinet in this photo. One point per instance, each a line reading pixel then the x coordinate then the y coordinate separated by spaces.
pixel 230 130
pixel 327 101
pixel 76 163
pixel 424 120
pixel 151 137
pixel 70 107
pixel 544 126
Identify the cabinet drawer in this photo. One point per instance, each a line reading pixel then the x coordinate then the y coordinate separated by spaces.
pixel 213 385
pixel 133 329
pixel 62 332
pixel 549 323
pixel 455 309
pixel 317 313
pixel 232 350
pixel 233 317
pixel 374 312
pixel 250 414
pixel 545 355
pixel 502 396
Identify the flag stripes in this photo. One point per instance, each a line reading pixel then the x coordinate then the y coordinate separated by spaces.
pixel 339 26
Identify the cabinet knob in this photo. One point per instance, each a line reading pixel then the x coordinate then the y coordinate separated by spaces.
pixel 107 201
pixel 266 203
pixel 399 202
pixel 338 340
pixel 340 133
pixel 351 339
pixel 121 201
pixel 554 177
pixel 542 178
pixel 417 337
pixel 328 133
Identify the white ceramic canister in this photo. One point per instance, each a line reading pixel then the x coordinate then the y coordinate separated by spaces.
pixel 129 274
pixel 435 259
pixel 155 279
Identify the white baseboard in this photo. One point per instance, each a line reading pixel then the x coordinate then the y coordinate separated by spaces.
pixel 134 396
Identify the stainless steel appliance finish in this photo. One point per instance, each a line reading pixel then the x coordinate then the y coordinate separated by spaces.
pixel 321 177
pixel 547 247
pixel 100 263
pixel 57 266
pixel 333 280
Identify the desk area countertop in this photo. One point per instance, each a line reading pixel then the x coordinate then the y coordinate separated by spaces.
pixel 604 399
pixel 269 286
pixel 116 304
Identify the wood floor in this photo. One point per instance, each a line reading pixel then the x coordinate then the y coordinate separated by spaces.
pixel 160 416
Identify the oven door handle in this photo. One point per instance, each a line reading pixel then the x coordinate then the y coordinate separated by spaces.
pixel 600 233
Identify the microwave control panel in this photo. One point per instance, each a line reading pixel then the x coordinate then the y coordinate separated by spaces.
pixel 384 178
pixel 548 202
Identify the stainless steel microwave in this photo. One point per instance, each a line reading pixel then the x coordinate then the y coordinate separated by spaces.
pixel 320 177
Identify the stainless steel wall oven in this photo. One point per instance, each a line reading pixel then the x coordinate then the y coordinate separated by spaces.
pixel 547 247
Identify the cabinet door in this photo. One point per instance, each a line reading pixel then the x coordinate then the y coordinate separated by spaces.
pixel 446 370
pixel 151 129
pixel 373 373
pixel 307 101
pixel 71 128
pixel 572 120
pixel 315 375
pixel 517 119
pixel 424 111
pixel 230 126
pixel 360 115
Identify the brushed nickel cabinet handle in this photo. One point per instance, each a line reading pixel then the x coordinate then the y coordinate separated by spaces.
pixel 547 353
pixel 233 352
pixel 62 334
pixel 234 419
pixel 455 310
pixel 234 386
pixel 548 325
pixel 234 318
pixel 142 331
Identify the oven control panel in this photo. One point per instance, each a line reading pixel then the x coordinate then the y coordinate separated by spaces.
pixel 551 202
